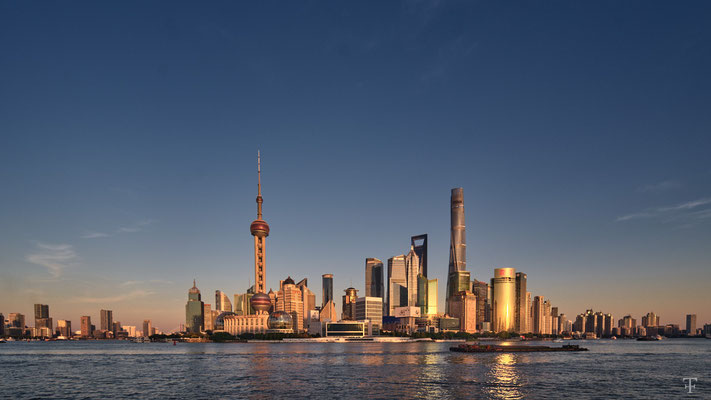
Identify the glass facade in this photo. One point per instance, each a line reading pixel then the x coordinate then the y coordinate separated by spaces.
pixel 504 299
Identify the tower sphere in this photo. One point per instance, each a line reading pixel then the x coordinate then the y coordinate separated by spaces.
pixel 280 320
pixel 259 228
pixel 260 302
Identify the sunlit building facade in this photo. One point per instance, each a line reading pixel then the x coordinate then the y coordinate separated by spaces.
pixel 504 294
pixel 222 301
pixel 397 283
pixel 194 311
pixel 371 309
pixel 374 272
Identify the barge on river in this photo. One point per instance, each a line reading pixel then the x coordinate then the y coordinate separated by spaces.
pixel 478 348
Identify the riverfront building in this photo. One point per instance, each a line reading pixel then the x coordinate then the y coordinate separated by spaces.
pixel 504 294
pixel 457 280
pixel 194 311
pixel 397 283
pixel 371 309
pixel 374 286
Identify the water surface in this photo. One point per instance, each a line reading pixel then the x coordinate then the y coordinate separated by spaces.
pixel 118 369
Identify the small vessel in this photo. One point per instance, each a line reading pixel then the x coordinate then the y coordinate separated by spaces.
pixel 613 338
pixel 649 338
pixel 478 348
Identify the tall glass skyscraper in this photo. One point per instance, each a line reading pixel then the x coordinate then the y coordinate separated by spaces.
pixel 327 289
pixel 419 244
pixel 397 283
pixel 520 320
pixel 107 320
pixel 374 278
pixel 504 294
pixel 458 278
pixel 222 301
pixel 194 311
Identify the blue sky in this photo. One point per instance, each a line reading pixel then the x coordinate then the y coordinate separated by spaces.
pixel 129 132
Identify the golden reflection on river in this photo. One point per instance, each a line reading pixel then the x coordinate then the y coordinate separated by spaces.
pixel 503 380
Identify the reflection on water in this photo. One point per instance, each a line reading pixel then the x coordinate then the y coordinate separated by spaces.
pixel 504 382
pixel 347 370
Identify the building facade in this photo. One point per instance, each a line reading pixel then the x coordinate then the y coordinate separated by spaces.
pixel 397 283
pixel 222 302
pixel 326 289
pixel 374 272
pixel 371 309
pixel 504 305
pixel 194 311
pixel 457 247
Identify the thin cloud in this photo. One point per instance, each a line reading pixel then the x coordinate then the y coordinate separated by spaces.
pixel 136 227
pixel 94 235
pixel 136 294
pixel 686 211
pixel 54 257
pixel 659 187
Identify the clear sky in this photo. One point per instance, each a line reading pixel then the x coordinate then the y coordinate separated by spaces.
pixel 129 131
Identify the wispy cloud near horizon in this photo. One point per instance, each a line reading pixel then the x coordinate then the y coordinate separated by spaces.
pixel 136 227
pixel 94 235
pixel 674 213
pixel 135 294
pixel 54 257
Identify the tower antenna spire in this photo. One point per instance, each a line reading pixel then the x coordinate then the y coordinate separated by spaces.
pixel 259 186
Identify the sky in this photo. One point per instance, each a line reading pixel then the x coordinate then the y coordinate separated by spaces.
pixel 129 132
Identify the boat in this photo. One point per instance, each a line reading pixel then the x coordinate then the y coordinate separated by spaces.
pixel 649 338
pixel 478 348
pixel 3 341
pixel 613 338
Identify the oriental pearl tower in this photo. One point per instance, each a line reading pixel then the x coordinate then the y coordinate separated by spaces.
pixel 260 230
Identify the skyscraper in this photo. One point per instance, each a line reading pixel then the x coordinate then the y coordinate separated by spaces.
pixel 480 290
pixel 370 308
pixel 42 319
pixel 419 244
pixel 64 328
pixel 349 304
pixel 148 327
pixel 504 299
pixel 520 309
pixel 691 324
pixel 458 278
pixel 86 326
pixel 208 322
pixel 308 298
pixel 538 311
pixel 260 230
pixel 289 299
pixel 374 278
pixel 194 311
pixel 327 289
pixel 107 320
pixel 222 301
pixel 397 283
pixel 412 270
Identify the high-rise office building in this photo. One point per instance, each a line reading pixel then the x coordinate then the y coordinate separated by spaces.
pixel 397 283
pixel 432 293
pixel 86 326
pixel 691 324
pixel 194 311
pixel 529 312
pixel 107 320
pixel 463 307
pixel 42 319
pixel 422 294
pixel 328 312
pixel 457 248
pixel 349 300
pixel 520 307
pixel 2 325
pixel 207 320
pixel 538 315
pixel 148 328
pixel 289 299
pixel 327 289
pixel 504 306
pixel 651 319
pixel 480 290
pixel 370 308
pixel 222 302
pixel 64 328
pixel 412 270
pixel 308 299
pixel 243 305
pixel 419 244
pixel 374 270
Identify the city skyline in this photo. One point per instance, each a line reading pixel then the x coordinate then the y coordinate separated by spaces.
pixel 128 159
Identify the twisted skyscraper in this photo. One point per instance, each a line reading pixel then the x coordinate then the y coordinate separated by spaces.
pixel 458 279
